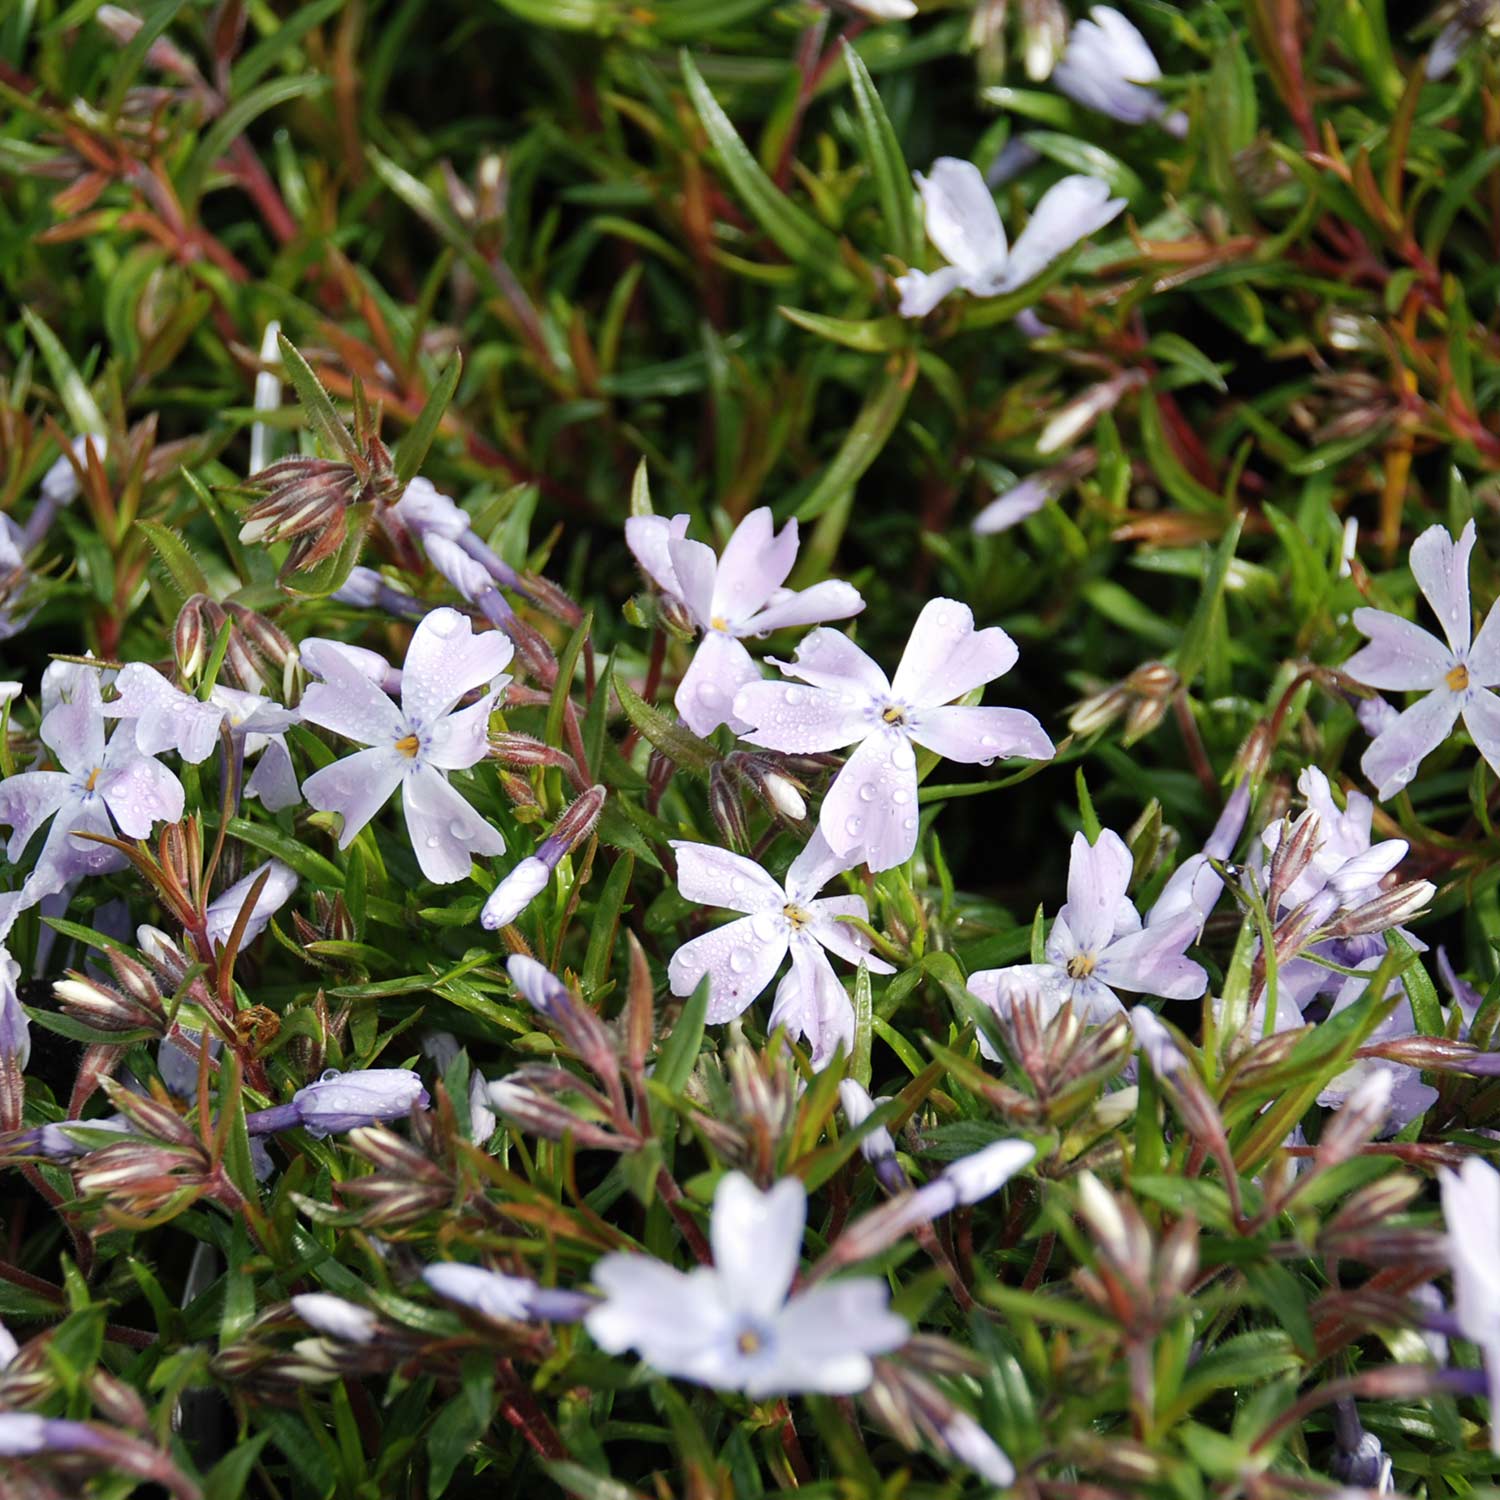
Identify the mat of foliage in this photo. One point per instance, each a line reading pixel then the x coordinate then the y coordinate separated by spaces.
pixel 625 1030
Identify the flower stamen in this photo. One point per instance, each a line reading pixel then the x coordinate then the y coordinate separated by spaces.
pixel 1081 965
pixel 408 746
pixel 1458 678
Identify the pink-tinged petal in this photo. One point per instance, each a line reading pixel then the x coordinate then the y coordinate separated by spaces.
pixel 980 735
pixel 445 831
pixel 828 658
pixel 814 867
pixel 356 787
pixel 1069 211
pixel 648 537
pixel 74 731
pixel 1482 720
pixel 346 701
pixel 757 1240
pixel 26 802
pixel 274 780
pixel 961 217
pixel 753 565
pixel 871 807
pixel 946 657
pixel 823 1339
pixel 1151 961
pixel 740 960
pixel 788 716
pixel 1441 567
pixel 1484 654
pixel 1401 657
pixel 1098 878
pixel 716 877
pixel 165 717
pixel 844 938
pixel 446 660
pixel 920 293
pixel 1392 758
pixel 461 740
pixel 810 1002
pixel 719 669
pixel 695 566
pixel 830 600
pixel 139 793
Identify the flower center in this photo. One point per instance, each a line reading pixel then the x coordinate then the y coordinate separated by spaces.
pixel 408 746
pixel 93 780
pixel 749 1342
pixel 1458 678
pixel 894 715
pixel 1081 965
pixel 796 916
pixel 719 623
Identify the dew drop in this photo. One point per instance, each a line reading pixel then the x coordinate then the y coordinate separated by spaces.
pixel 794 696
pixel 909 824
pixel 903 757
pixel 739 961
pixel 709 694
pixel 900 796
pixel 866 792
pixel 763 925
pixel 458 829
pixel 433 841
pixel 852 826
pixel 737 884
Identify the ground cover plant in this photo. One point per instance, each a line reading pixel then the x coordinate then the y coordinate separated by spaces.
pixel 749 748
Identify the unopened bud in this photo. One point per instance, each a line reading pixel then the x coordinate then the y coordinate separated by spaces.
pixel 515 893
pixel 575 825
pixel 725 807
pixel 1098 711
pixel 1293 854
pixel 1361 1118
pixel 1255 753
pixel 190 637
pixel 1388 910
pixel 105 1008
pixel 270 640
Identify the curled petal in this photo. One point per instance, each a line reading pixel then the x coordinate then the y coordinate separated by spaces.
pixel 921 292
pixel 648 538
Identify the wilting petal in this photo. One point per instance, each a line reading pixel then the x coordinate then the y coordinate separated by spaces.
pixel 962 220
pixel 811 1003
pixel 139 793
pixel 445 831
pixel 716 877
pixel 165 717
pixel 757 1240
pixel 1441 567
pixel 461 740
pixel 719 669
pixel 981 735
pixel 753 565
pixel 1069 211
pixel 696 567
pixel 828 658
pixel 27 801
pixel 946 657
pixel 1098 877
pixel 920 293
pixel 1401 657
pixel 1151 961
pixel 446 660
pixel 274 779
pixel 787 716
pixel 347 701
pixel 823 1339
pixel 740 960
pixel 356 787
pixel 1392 759
pixel 832 599
pixel 1482 720
pixel 871 808
pixel 648 537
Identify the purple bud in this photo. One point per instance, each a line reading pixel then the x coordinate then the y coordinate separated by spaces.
pixel 344 1101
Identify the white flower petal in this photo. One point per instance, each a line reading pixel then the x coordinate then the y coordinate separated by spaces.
pixel 740 960
pixel 717 877
pixel 946 657
pixel 871 808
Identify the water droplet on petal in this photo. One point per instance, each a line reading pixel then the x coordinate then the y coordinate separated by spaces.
pixel 739 961
pixel 458 829
pixel 433 841
pixel 709 695
pixel 903 757
pixel 763 925
pixel 901 796
pixel 852 826
pixel 909 824
pixel 866 792
pixel 794 696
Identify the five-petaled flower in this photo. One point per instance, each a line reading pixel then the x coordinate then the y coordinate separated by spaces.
pixel 1099 944
pixel 1108 66
pixel 738 1325
pixel 1457 674
pixel 963 222
pixel 728 597
pixel 414 746
pixel 870 811
pixel 101 786
pixel 741 957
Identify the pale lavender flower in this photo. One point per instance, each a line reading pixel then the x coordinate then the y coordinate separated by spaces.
pixel 737 594
pixel 964 224
pixel 257 726
pixel 529 878
pixel 165 717
pixel 970 1444
pixel 482 1120
pixel 15 1029
pixel 1465 995
pixel 1195 884
pixel 508 1299
pixel 100 788
pixel 335 1317
pixel 1456 675
pixel 737 1325
pixel 316 652
pixel 1471 1210
pixel 741 958
pixel 60 488
pixel 343 1101
pixel 224 910
pixel 1107 66
pixel 876 1146
pixel 415 746
pixel 25 1434
pixel 870 811
pixel 1098 945
pixel 1020 500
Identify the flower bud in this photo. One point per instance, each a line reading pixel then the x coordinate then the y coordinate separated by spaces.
pixel 515 893
pixel 471 579
pixel 784 796
pixel 105 1008
pixel 336 1317
pixel 343 1101
pixel 986 1171
pixel 190 637
pixel 724 804
pixel 496 1295
pixel 361 590
pixel 1386 911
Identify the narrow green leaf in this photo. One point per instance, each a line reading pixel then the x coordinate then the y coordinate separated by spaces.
pixel 1193 651
pixel 72 390
pixel 181 566
pixel 868 335
pixel 317 403
pixel 674 1063
pixel 414 446
pixel 680 745
pixel 887 164
pixel 863 443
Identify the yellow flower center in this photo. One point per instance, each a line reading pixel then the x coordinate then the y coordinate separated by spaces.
pixel 1081 965
pixel 718 623
pixel 409 746
pixel 894 715
pixel 93 780
pixel 796 915
pixel 748 1342
pixel 1458 678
